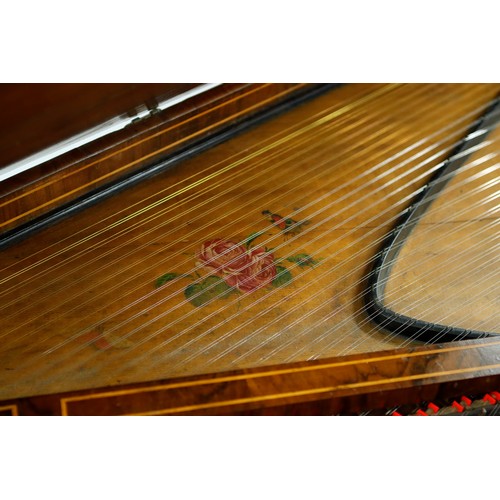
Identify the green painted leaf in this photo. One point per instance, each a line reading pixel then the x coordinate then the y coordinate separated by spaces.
pixel 191 292
pixel 252 237
pixel 303 260
pixel 219 287
pixel 166 277
pixel 210 288
pixel 283 276
pixel 169 277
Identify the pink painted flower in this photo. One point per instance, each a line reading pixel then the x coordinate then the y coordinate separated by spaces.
pixel 224 256
pixel 245 270
pixel 258 273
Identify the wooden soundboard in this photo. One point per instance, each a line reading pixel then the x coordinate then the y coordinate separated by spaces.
pixel 132 305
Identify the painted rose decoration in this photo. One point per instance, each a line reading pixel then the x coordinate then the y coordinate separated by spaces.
pixel 224 256
pixel 236 268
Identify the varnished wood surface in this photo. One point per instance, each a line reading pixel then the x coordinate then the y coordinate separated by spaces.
pixel 36 116
pixel 336 386
pixel 75 174
pixel 81 311
pixel 452 256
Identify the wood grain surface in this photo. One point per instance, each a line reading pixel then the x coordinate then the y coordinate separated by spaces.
pixel 451 258
pixel 83 170
pixel 38 115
